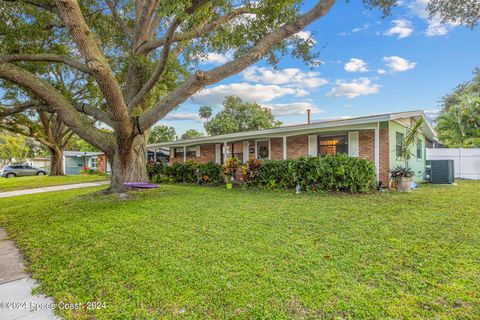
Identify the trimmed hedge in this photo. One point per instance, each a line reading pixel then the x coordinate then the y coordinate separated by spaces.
pixel 188 172
pixel 329 173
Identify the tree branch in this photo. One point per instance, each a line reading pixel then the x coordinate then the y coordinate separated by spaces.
pixel 5 111
pixel 201 79
pixel 46 57
pixel 156 43
pixel 121 23
pixel 72 17
pixel 162 63
pixel 39 4
pixel 58 103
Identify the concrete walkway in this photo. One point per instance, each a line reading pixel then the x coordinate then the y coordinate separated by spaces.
pixel 16 299
pixel 50 189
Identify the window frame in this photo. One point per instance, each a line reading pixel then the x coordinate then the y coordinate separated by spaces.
pixel 178 152
pixel 331 137
pixel 268 147
pixel 398 151
pixel 419 149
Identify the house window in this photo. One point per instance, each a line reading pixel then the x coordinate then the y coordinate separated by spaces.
pixel 263 150
pixel 93 162
pixel 332 145
pixel 419 149
pixel 191 152
pixel 178 152
pixel 399 143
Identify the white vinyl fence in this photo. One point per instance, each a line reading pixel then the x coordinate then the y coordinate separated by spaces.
pixel 466 161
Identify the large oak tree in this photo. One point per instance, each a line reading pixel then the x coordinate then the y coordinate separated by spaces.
pixel 143 57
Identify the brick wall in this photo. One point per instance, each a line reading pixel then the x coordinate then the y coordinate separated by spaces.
pixel 384 157
pixel 366 144
pixel 207 154
pixel 276 148
pixel 297 147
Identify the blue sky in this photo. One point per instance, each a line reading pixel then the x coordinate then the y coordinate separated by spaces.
pixel 370 65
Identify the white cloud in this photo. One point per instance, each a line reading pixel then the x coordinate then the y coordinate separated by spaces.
pixel 291 77
pixel 401 27
pixel 435 26
pixel 218 58
pixel 398 64
pixel 356 65
pixel 290 109
pixel 381 71
pixel 182 117
pixel 355 88
pixel 306 35
pixel 246 91
pixel 355 30
pixel 432 114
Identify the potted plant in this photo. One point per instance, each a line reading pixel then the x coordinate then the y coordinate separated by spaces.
pixel 403 178
pixel 230 169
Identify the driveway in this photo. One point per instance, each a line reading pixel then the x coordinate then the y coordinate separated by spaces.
pixel 51 189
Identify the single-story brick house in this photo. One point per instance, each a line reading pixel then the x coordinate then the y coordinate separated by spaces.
pixel 376 138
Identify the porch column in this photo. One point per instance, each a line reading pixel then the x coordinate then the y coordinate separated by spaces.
pixel 377 150
pixel 284 148
pixel 184 153
pixel 225 152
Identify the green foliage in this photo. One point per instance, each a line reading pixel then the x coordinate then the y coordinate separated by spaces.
pixel 329 173
pixel 162 134
pixel 13 148
pixel 411 138
pixel 250 171
pixel 210 172
pixel 465 12
pixel 190 134
pixel 230 167
pixel 459 125
pixel 401 172
pixel 188 172
pixel 466 89
pixel 238 116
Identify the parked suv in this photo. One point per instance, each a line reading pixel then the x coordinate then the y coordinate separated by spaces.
pixel 20 170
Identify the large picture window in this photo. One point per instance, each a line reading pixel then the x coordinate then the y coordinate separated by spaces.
pixel 332 145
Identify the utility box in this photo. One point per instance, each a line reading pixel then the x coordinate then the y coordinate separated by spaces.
pixel 440 171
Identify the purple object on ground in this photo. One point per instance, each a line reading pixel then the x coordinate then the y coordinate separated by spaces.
pixel 140 185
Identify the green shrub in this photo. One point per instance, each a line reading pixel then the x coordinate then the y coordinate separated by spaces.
pixel 188 172
pixel 210 172
pixel 155 168
pixel 250 171
pixel 329 173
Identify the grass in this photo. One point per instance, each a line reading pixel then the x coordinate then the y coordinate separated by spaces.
pixel 20 183
pixel 196 252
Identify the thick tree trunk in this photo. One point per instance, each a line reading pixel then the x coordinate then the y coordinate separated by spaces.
pixel 129 162
pixel 56 162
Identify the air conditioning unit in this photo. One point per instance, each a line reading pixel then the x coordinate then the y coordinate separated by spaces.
pixel 440 171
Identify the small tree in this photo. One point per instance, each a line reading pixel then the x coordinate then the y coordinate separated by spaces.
pixel 190 134
pixel 410 140
pixel 238 116
pixel 13 147
pixel 162 134
pixel 459 125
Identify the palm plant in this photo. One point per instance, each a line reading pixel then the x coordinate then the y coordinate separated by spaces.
pixel 459 125
pixel 410 139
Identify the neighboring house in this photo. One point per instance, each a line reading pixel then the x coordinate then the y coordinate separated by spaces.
pixel 74 161
pixel 376 138
pixel 39 162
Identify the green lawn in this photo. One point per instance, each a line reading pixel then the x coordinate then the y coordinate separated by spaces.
pixel 20 183
pixel 199 252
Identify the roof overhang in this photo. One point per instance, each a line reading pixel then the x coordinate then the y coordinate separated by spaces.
pixel 365 122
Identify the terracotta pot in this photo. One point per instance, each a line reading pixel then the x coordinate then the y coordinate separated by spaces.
pixel 404 184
